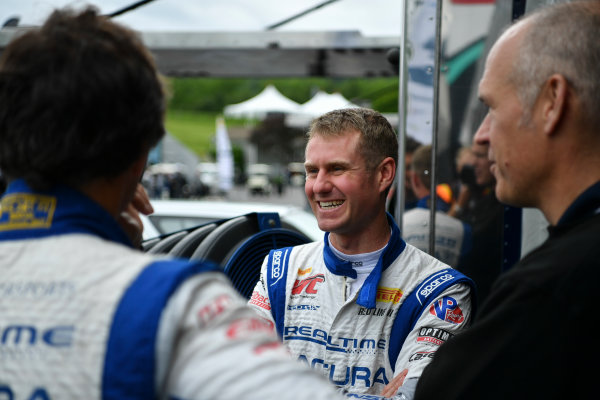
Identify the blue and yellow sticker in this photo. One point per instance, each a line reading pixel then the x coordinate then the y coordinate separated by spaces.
pixel 26 211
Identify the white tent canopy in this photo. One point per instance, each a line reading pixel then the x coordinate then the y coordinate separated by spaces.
pixel 319 104
pixel 267 101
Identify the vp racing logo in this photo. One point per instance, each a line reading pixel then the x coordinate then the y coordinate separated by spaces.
pixel 447 309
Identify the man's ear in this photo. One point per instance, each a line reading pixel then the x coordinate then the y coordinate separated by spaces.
pixel 387 173
pixel 553 102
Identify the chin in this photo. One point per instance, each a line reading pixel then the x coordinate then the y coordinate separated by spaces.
pixel 508 197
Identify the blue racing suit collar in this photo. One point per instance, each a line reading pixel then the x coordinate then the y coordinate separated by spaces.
pixel 28 214
pixel 368 291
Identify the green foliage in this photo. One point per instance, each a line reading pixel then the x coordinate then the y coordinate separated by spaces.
pixel 196 102
pixel 213 94
pixel 194 129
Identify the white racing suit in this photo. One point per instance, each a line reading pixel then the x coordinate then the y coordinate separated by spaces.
pixel 85 316
pixel 408 306
pixel 453 237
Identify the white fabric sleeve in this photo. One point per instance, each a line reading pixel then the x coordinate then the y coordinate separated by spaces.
pixel 448 314
pixel 211 345
pixel 259 301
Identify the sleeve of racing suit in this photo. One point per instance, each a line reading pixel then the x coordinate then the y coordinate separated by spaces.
pixel 211 345
pixel 445 316
pixel 407 390
pixel 260 301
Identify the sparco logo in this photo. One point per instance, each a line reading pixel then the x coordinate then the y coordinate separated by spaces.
pixel 430 287
pixel 276 268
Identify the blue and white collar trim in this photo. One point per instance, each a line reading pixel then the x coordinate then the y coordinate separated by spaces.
pixel 368 291
pixel 28 214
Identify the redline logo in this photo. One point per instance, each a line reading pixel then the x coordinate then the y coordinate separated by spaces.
pixel 308 285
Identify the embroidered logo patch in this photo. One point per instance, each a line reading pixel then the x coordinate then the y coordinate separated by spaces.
pixel 388 295
pixel 448 310
pixel 26 211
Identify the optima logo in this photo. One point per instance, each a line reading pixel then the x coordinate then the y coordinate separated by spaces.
pixel 431 335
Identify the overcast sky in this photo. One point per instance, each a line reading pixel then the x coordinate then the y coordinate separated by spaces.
pixel 371 17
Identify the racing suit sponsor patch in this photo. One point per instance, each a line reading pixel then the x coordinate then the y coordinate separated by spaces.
pixel 378 312
pixel 308 285
pixel 304 271
pixel 247 326
pixel 434 336
pixel 420 355
pixel 431 283
pixel 260 301
pixel 340 344
pixel 388 295
pixel 276 269
pixel 357 376
pixel 26 211
pixel 447 309
pixel 214 308
pixel 303 307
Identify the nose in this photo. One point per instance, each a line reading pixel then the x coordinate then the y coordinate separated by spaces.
pixel 319 183
pixel 482 135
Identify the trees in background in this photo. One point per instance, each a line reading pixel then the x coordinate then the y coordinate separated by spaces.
pixel 213 94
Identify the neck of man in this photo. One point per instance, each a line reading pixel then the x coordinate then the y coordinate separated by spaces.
pixel 576 168
pixel 373 238
pixel 111 194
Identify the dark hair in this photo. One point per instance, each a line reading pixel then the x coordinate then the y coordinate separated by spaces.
pixel 377 137
pixel 80 99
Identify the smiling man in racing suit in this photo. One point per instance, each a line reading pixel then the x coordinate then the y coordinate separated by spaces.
pixel 83 314
pixel 361 306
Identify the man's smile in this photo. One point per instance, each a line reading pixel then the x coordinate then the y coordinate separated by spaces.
pixel 330 204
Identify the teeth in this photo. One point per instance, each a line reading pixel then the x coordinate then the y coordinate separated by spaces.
pixel 331 204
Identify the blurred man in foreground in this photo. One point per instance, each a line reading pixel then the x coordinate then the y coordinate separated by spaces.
pixel 542 86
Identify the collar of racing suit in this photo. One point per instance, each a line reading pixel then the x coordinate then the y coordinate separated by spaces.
pixel 28 214
pixel 368 291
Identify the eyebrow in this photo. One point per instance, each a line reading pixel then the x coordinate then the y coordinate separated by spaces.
pixel 330 163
